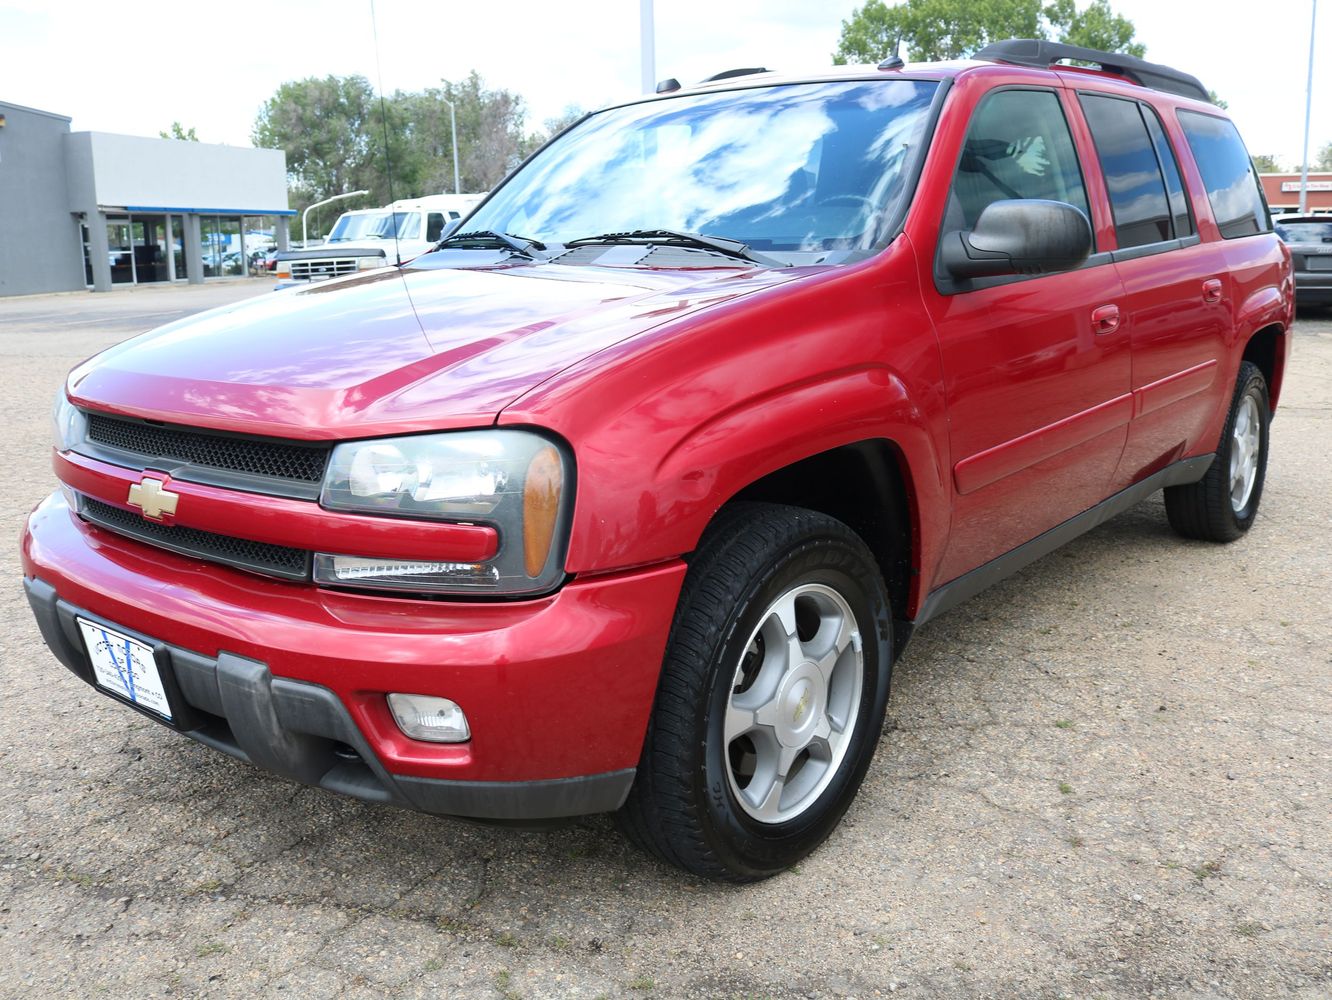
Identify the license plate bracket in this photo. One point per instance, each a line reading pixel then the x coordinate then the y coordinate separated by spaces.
pixel 129 669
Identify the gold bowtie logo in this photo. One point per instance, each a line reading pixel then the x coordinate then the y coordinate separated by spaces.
pixel 801 705
pixel 153 498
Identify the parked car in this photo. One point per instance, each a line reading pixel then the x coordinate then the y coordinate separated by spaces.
pixel 365 239
pixel 1310 241
pixel 627 497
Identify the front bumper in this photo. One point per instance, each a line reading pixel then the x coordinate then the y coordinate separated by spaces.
pixel 294 678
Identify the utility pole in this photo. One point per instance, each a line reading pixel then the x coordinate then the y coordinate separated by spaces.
pixel 1308 108
pixel 453 124
pixel 648 45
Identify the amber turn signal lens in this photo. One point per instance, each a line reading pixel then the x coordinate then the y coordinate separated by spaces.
pixel 541 507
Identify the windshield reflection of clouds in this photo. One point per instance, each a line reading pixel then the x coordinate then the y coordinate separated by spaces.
pixel 807 167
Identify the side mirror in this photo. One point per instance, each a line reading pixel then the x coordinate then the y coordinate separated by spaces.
pixel 1019 237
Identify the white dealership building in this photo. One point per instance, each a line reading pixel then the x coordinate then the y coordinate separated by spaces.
pixel 95 210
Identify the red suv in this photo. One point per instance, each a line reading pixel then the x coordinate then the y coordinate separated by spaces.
pixel 628 495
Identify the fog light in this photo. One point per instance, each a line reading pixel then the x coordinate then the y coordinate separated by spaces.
pixel 424 717
pixel 403 574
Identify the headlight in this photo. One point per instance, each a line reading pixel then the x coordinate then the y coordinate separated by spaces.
pixel 369 263
pixel 515 480
pixel 68 423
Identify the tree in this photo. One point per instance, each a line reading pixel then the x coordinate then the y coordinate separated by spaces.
pixel 570 114
pixel 177 132
pixel 952 29
pixel 1097 27
pixel 491 141
pixel 1265 163
pixel 332 131
pixel 335 132
pixel 1323 161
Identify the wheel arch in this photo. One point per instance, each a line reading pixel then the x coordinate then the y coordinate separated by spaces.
pixel 866 485
pixel 1266 348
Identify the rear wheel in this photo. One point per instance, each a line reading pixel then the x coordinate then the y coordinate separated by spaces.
pixel 771 698
pixel 1222 505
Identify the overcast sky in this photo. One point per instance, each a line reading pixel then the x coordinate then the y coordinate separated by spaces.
pixel 136 67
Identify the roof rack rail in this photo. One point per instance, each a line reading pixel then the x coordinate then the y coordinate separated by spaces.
pixel 726 74
pixel 1040 53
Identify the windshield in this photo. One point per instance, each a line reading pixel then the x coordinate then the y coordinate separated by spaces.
pixel 1305 232
pixel 786 170
pixel 375 226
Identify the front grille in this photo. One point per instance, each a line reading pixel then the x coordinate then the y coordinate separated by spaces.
pixel 327 268
pixel 258 557
pixel 152 444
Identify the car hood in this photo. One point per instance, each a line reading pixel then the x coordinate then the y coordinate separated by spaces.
pixel 358 246
pixel 392 351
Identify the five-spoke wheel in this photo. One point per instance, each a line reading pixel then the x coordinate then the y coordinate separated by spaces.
pixel 1245 438
pixel 793 700
pixel 1222 505
pixel 771 697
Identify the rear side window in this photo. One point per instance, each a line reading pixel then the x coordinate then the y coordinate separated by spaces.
pixel 1179 204
pixel 1132 171
pixel 1017 146
pixel 1232 186
pixel 434 226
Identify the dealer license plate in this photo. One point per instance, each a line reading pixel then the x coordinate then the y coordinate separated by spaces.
pixel 125 667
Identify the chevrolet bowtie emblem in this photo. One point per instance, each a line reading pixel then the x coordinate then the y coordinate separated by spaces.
pixel 152 497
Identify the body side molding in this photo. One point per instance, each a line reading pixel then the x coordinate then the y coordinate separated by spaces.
pixel 989 466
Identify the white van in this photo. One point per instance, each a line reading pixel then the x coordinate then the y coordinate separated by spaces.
pixel 363 239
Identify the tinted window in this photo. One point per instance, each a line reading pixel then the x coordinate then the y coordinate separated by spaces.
pixel 1232 186
pixel 1179 204
pixel 1017 146
pixel 1132 173
pixel 434 226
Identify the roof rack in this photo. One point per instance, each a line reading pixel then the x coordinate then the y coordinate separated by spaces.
pixel 726 74
pixel 1040 53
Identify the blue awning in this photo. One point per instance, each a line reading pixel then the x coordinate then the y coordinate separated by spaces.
pixel 178 210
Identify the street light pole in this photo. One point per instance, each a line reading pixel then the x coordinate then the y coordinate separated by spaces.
pixel 327 201
pixel 1308 107
pixel 453 120
pixel 648 46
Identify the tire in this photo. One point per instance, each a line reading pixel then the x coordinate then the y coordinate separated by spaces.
pixel 1222 505
pixel 698 799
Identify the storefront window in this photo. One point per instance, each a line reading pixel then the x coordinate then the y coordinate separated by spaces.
pixel 223 253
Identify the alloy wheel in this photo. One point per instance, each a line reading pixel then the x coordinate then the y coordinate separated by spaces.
pixel 793 703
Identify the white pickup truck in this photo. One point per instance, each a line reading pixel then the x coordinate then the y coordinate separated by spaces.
pixel 363 239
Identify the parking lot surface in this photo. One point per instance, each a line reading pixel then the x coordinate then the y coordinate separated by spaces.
pixel 1109 776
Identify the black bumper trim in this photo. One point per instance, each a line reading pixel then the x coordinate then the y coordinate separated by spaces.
pixel 301 731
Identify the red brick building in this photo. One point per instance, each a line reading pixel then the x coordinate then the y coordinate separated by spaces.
pixel 1283 192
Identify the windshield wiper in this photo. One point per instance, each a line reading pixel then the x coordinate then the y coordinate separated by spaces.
pixel 488 237
pixel 727 247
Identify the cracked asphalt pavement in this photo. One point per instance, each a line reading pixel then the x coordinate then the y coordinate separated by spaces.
pixel 1108 776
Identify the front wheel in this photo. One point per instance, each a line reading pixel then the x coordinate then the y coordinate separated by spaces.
pixel 1222 505
pixel 771 699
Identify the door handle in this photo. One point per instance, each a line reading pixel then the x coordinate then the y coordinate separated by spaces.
pixel 1105 319
pixel 1212 290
